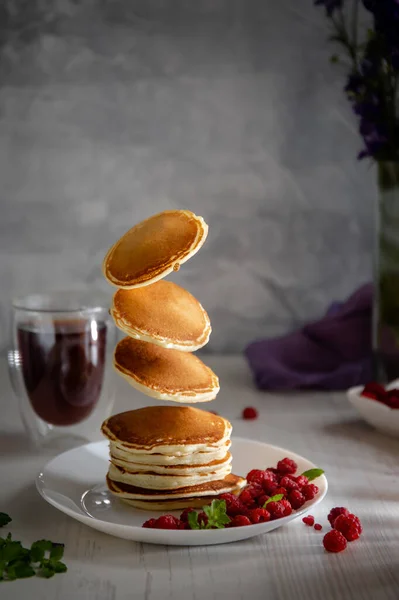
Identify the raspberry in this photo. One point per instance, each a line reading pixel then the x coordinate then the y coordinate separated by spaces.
pixel 297 499
pixel 335 512
pixel 269 485
pixel 334 541
pixel 309 491
pixel 309 520
pixel 249 413
pixel 280 490
pixel 262 499
pixel 374 390
pixel 239 521
pixel 255 490
pixel 302 480
pixel 255 476
pixel 273 471
pixel 166 522
pixel 202 518
pixel 288 483
pixel 234 506
pixel 276 510
pixel 247 498
pixel 184 514
pixel 287 466
pixel 392 399
pixel 318 527
pixel 349 526
pixel 259 515
pixel 149 524
pixel 286 506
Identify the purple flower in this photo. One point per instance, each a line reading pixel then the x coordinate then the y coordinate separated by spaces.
pixel 330 5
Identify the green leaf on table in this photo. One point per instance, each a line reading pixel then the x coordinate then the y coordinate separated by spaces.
pixel 275 498
pixel 4 519
pixel 59 567
pixel 46 572
pixel 217 515
pixel 57 551
pixel 22 570
pixel 313 474
pixel 11 550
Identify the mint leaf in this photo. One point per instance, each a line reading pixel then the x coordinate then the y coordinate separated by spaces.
pixel 10 573
pixel 192 519
pixel 275 498
pixel 10 551
pixel 59 567
pixel 57 551
pixel 4 519
pixel 313 473
pixel 46 572
pixel 44 545
pixel 23 570
pixel 216 513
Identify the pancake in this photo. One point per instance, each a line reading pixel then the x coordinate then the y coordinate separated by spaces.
pixel 169 429
pixel 165 374
pixel 164 314
pixel 212 488
pixel 123 455
pixel 174 504
pixel 177 469
pixel 153 248
pixel 154 481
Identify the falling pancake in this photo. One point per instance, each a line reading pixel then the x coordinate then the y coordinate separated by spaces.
pixel 153 248
pixel 164 314
pixel 169 429
pixel 212 488
pixel 165 374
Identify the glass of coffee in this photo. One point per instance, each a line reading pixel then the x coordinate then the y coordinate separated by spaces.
pixel 59 365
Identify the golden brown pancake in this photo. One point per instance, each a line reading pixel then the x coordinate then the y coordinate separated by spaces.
pixel 211 488
pixel 165 374
pixel 169 429
pixel 164 314
pixel 154 248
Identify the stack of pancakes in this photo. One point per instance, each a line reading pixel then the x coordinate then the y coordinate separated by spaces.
pixel 164 457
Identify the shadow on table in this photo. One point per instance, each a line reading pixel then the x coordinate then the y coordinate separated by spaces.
pixel 359 431
pixel 14 443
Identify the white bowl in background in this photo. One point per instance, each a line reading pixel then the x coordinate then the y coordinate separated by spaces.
pixel 377 414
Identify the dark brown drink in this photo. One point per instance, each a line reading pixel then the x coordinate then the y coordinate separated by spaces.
pixel 63 368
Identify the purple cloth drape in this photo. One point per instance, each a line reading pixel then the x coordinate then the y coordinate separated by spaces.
pixel 333 353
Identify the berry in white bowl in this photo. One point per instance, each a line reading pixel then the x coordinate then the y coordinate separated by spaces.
pixel 378 405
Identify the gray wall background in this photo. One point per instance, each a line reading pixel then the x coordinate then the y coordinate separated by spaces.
pixel 113 110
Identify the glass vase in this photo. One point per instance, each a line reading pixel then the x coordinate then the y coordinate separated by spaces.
pixel 386 275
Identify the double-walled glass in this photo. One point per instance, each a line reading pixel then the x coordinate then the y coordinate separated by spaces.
pixel 59 365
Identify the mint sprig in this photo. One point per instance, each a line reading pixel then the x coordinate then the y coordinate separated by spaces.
pixel 5 519
pixel 43 558
pixel 275 498
pixel 313 474
pixel 216 513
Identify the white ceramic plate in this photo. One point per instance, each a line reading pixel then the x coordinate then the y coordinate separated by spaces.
pixel 74 482
pixel 375 413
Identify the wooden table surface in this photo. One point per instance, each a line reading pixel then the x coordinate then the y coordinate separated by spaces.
pixel 362 468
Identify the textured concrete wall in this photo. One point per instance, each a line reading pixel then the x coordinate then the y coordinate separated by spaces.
pixel 113 110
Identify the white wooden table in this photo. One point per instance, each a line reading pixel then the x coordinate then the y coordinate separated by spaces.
pixel 361 465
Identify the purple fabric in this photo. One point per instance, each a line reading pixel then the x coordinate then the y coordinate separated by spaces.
pixel 333 353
